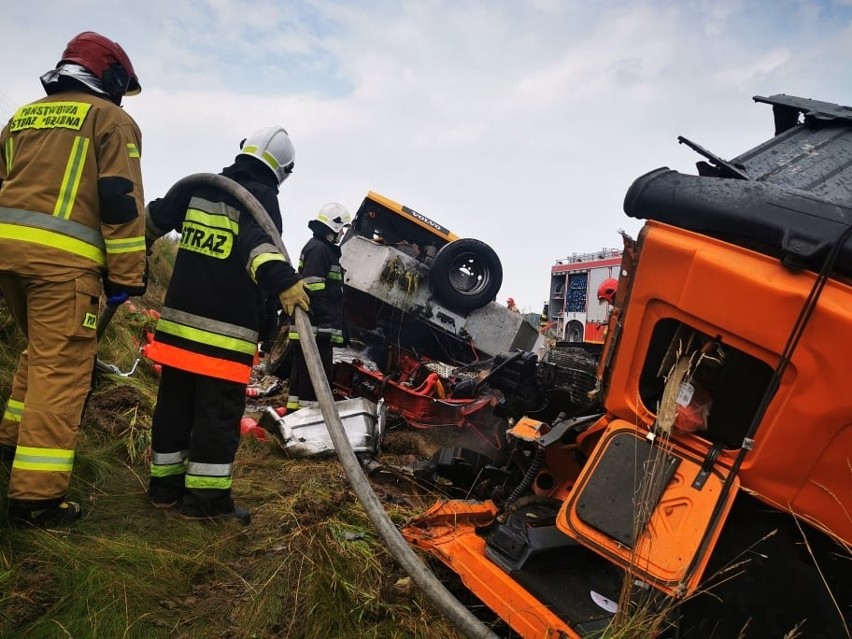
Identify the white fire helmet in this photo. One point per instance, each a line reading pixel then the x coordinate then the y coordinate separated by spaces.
pixel 272 146
pixel 333 215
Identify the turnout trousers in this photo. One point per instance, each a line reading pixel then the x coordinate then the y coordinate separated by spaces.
pixel 41 418
pixel 301 392
pixel 194 439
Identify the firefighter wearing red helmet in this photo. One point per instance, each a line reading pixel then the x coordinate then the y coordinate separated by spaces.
pixel 71 227
pixel 607 289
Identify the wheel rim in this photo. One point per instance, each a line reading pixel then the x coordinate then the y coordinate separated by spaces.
pixel 468 274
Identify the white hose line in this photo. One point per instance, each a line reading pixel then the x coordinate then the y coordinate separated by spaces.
pixel 437 593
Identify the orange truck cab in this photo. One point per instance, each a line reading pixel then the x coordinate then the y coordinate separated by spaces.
pixel 708 492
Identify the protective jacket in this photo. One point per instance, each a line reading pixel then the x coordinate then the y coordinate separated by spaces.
pixel 319 264
pixel 226 267
pixel 71 214
pixel 71 192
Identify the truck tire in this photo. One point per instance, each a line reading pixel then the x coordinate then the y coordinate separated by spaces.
pixel 466 274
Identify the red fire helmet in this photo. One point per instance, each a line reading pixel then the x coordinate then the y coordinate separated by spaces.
pixel 606 291
pixel 106 59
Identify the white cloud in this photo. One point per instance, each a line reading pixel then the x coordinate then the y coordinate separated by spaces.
pixel 520 123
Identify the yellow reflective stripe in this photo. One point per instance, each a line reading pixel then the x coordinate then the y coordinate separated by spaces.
pixel 216 221
pixel 52 239
pixel 209 324
pixel 294 334
pixel 333 275
pixel 10 151
pixel 125 244
pixel 195 481
pixel 133 150
pixel 262 259
pixel 43 459
pixel 167 470
pixel 271 159
pixel 206 337
pixel 14 410
pixel 315 286
pixel 71 180
pixel 266 155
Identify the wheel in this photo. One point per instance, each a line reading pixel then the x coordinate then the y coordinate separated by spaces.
pixel 466 274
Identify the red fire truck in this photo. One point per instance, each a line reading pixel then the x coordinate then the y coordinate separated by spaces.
pixel 574 313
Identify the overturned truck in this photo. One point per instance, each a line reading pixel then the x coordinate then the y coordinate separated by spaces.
pixel 709 491
pixel 428 338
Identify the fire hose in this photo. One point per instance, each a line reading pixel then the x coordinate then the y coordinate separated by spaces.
pixel 437 593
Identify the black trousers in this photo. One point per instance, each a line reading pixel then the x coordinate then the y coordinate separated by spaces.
pixel 302 393
pixel 197 418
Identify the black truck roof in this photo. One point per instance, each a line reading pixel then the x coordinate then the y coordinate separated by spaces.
pixel 789 197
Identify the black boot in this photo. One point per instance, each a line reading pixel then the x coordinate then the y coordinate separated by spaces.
pixel 62 514
pixel 166 492
pixel 242 515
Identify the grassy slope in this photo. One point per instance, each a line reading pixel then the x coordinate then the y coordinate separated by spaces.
pixel 309 565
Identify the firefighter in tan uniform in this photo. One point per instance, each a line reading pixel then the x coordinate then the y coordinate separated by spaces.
pixel 71 226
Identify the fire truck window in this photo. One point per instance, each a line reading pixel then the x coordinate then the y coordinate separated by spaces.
pixel 576 302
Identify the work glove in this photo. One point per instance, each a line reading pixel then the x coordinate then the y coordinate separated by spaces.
pixel 117 298
pixel 117 294
pixel 296 295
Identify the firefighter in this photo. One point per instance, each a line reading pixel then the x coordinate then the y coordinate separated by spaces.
pixel 206 338
pixel 319 264
pixel 71 226
pixel 606 290
pixel 510 303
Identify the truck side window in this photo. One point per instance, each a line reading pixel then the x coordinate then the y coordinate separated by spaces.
pixel 720 390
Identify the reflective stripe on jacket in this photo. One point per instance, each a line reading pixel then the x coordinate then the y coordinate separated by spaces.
pixel 226 266
pixel 319 264
pixel 71 190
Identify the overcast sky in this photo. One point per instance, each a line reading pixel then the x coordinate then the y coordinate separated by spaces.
pixel 518 123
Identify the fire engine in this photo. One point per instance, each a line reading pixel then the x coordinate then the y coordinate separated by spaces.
pixel 574 313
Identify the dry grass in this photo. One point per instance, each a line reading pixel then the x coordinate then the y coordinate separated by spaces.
pixel 309 566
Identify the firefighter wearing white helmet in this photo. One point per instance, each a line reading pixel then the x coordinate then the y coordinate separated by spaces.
pixel 319 264
pixel 226 272
pixel 334 217
pixel 272 146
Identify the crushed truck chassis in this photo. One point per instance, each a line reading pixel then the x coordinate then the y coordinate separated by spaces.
pixel 710 495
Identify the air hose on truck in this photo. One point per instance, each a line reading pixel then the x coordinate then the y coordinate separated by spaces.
pixel 463 619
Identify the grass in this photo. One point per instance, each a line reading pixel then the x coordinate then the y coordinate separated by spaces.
pixel 309 565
